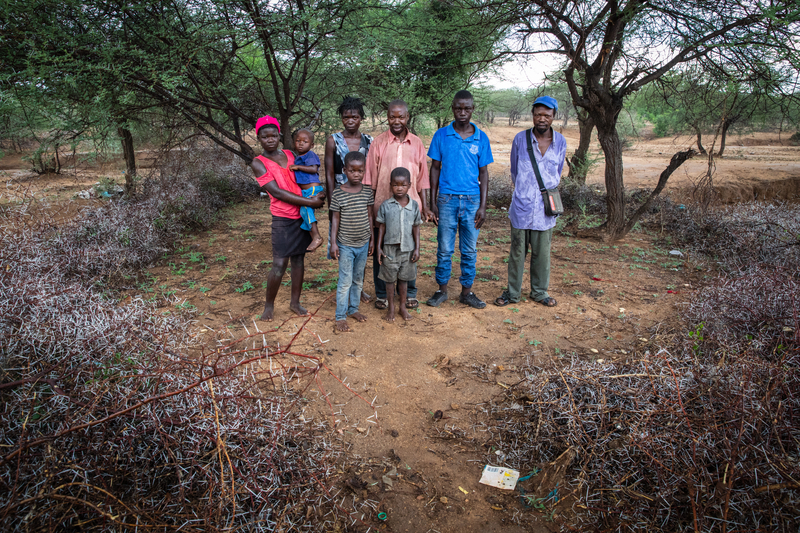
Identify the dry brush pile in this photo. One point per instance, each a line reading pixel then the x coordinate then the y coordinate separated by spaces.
pixel 700 430
pixel 113 418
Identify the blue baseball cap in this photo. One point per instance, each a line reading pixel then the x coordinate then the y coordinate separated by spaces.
pixel 547 101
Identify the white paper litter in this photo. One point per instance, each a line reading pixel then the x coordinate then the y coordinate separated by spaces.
pixel 500 477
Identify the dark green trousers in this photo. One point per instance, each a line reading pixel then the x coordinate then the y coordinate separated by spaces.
pixel 539 242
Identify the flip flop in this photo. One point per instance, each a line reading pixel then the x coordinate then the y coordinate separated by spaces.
pixel 412 303
pixel 503 300
pixel 381 303
pixel 549 302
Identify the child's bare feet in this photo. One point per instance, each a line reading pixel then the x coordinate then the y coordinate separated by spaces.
pixel 404 313
pixel 316 242
pixel 341 326
pixel 359 317
pixel 298 310
pixel 269 310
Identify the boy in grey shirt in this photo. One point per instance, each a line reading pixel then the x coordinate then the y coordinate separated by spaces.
pixel 398 241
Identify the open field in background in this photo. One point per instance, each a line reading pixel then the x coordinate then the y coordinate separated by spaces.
pixel 455 388
pixel 756 166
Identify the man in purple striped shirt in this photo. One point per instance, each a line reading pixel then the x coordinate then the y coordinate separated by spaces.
pixel 529 225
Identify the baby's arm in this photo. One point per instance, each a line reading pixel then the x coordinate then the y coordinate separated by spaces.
pixel 308 169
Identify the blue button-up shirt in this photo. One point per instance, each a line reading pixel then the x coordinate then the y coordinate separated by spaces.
pixel 527 207
pixel 461 159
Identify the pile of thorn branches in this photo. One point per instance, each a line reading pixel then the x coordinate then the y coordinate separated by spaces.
pixel 113 417
pixel 700 431
pixel 665 443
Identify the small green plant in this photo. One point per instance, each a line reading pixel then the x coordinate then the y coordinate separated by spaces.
pixel 514 309
pixel 697 336
pixel 534 342
pixel 178 270
pixel 578 293
pixel 194 257
pixel 204 289
pixel 246 286
pixel 496 278
pixel 220 258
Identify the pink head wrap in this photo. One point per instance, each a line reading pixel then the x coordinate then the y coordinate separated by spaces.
pixel 267 121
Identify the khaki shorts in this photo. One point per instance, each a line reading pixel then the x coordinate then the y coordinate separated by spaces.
pixel 396 265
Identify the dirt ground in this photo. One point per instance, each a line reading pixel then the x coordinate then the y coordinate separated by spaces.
pixel 444 364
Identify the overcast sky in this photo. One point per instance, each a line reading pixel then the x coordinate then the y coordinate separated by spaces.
pixel 523 73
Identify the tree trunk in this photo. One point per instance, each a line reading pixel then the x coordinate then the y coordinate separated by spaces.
pixel 699 140
pixel 286 130
pixel 579 162
pixel 126 138
pixel 723 134
pixel 677 160
pixel 615 189
pixel 566 118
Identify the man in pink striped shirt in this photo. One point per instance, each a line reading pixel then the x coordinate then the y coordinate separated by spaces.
pixel 394 148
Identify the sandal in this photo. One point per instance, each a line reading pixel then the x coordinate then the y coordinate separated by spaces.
pixel 549 302
pixel 503 300
pixel 412 303
pixel 381 303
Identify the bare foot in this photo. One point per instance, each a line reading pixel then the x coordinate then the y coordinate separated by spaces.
pixel 404 313
pixel 389 316
pixel 365 297
pixel 316 243
pixel 299 309
pixel 359 317
pixel 341 326
pixel 268 312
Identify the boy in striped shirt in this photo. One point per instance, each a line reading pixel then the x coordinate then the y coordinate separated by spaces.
pixel 351 224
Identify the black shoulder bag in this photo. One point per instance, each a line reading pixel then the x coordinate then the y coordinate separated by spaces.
pixel 551 197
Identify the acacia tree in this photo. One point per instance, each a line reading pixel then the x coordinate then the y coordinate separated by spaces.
pixel 424 53
pixel 613 48
pixel 219 65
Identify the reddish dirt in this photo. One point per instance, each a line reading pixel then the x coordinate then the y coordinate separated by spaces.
pixel 453 359
pixel 450 359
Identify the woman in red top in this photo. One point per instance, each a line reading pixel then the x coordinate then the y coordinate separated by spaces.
pixel 289 240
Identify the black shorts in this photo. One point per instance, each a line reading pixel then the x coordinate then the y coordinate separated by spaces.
pixel 288 238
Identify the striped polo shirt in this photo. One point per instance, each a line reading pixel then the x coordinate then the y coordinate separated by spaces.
pixel 353 208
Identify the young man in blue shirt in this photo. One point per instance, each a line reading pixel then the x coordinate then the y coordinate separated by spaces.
pixel 459 177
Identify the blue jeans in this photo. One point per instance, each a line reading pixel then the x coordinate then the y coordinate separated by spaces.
pixel 457 213
pixel 307 213
pixel 351 278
